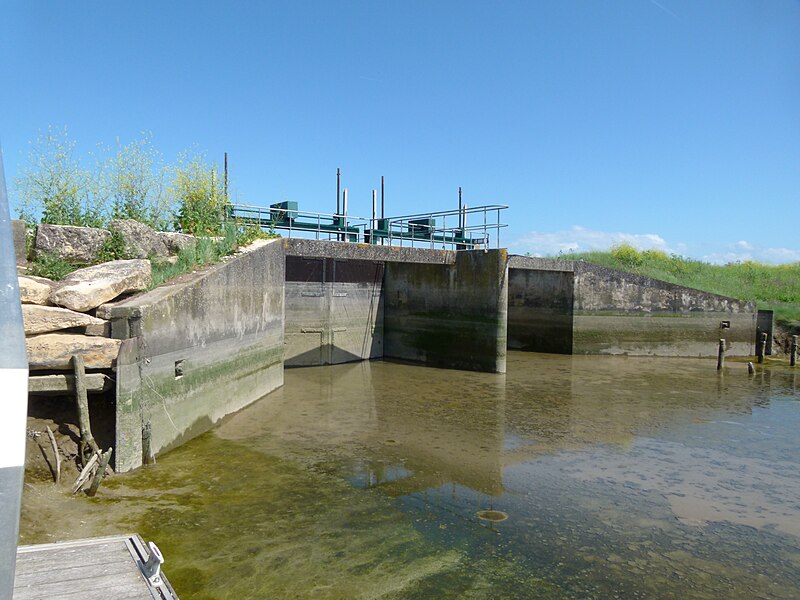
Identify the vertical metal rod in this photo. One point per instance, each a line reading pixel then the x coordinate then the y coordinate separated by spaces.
pixel 226 177
pixel 344 214
pixel 383 201
pixel 374 223
pixel 459 206
pixel 721 355
pixel 498 228
pixel 793 352
pixel 338 189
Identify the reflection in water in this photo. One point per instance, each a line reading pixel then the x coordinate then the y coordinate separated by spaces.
pixel 619 477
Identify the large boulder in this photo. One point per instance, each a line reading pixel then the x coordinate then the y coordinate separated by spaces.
pixel 176 242
pixel 34 290
pixel 74 244
pixel 88 288
pixel 55 350
pixel 141 241
pixel 43 319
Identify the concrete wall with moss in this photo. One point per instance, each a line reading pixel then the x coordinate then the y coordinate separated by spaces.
pixel 198 350
pixel 449 315
pixel 623 313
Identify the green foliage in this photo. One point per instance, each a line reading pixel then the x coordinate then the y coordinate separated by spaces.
pixel 132 182
pixel 54 184
pixel 627 255
pixel 249 233
pixel 50 266
pixel 113 248
pixel 199 195
pixel 206 251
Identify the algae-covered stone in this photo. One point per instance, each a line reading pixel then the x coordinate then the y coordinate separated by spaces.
pixel 34 290
pixel 88 288
pixel 75 244
pixel 54 351
pixel 43 319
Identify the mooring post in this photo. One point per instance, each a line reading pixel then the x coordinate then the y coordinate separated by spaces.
pixel 721 355
pixel 762 348
pixel 793 352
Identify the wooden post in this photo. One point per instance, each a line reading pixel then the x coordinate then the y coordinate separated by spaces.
pixel 793 352
pixel 762 348
pixel 750 368
pixel 54 444
pixel 100 473
pixel 721 355
pixel 82 401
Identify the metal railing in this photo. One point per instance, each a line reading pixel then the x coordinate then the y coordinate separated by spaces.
pixel 464 229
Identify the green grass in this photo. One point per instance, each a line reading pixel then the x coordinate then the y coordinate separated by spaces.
pixel 775 287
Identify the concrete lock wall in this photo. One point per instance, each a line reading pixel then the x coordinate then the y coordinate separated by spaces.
pixel 334 311
pixel 452 315
pixel 197 351
pixel 623 313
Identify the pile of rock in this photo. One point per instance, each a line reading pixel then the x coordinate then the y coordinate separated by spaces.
pixel 65 317
pixel 81 245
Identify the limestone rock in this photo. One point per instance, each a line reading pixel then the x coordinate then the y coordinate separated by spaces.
pixel 54 350
pixel 88 288
pixel 102 329
pixel 20 246
pixel 34 290
pixel 176 242
pixel 141 241
pixel 75 244
pixel 43 319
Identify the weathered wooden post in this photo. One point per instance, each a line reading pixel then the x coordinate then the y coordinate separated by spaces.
pixel 762 348
pixel 793 352
pixel 721 355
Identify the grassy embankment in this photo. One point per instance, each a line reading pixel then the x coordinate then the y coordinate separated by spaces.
pixel 775 287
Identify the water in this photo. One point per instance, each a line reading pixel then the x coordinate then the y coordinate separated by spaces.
pixel 620 478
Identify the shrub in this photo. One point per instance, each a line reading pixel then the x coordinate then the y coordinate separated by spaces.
pixel 198 192
pixel 54 184
pixel 627 255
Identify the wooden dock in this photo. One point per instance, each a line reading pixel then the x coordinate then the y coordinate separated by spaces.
pixel 93 569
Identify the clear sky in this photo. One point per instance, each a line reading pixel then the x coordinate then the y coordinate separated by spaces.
pixel 672 124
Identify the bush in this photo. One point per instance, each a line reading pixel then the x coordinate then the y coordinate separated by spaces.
pixel 198 192
pixel 627 255
pixel 132 181
pixel 54 185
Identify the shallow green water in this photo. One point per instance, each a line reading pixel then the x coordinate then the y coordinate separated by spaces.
pixel 620 477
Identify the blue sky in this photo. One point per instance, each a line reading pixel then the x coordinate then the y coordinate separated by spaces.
pixel 672 124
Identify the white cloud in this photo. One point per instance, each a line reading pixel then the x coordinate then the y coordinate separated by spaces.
pixel 581 239
pixel 743 251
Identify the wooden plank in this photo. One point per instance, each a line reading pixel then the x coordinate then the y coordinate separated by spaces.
pixel 65 384
pixel 92 569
